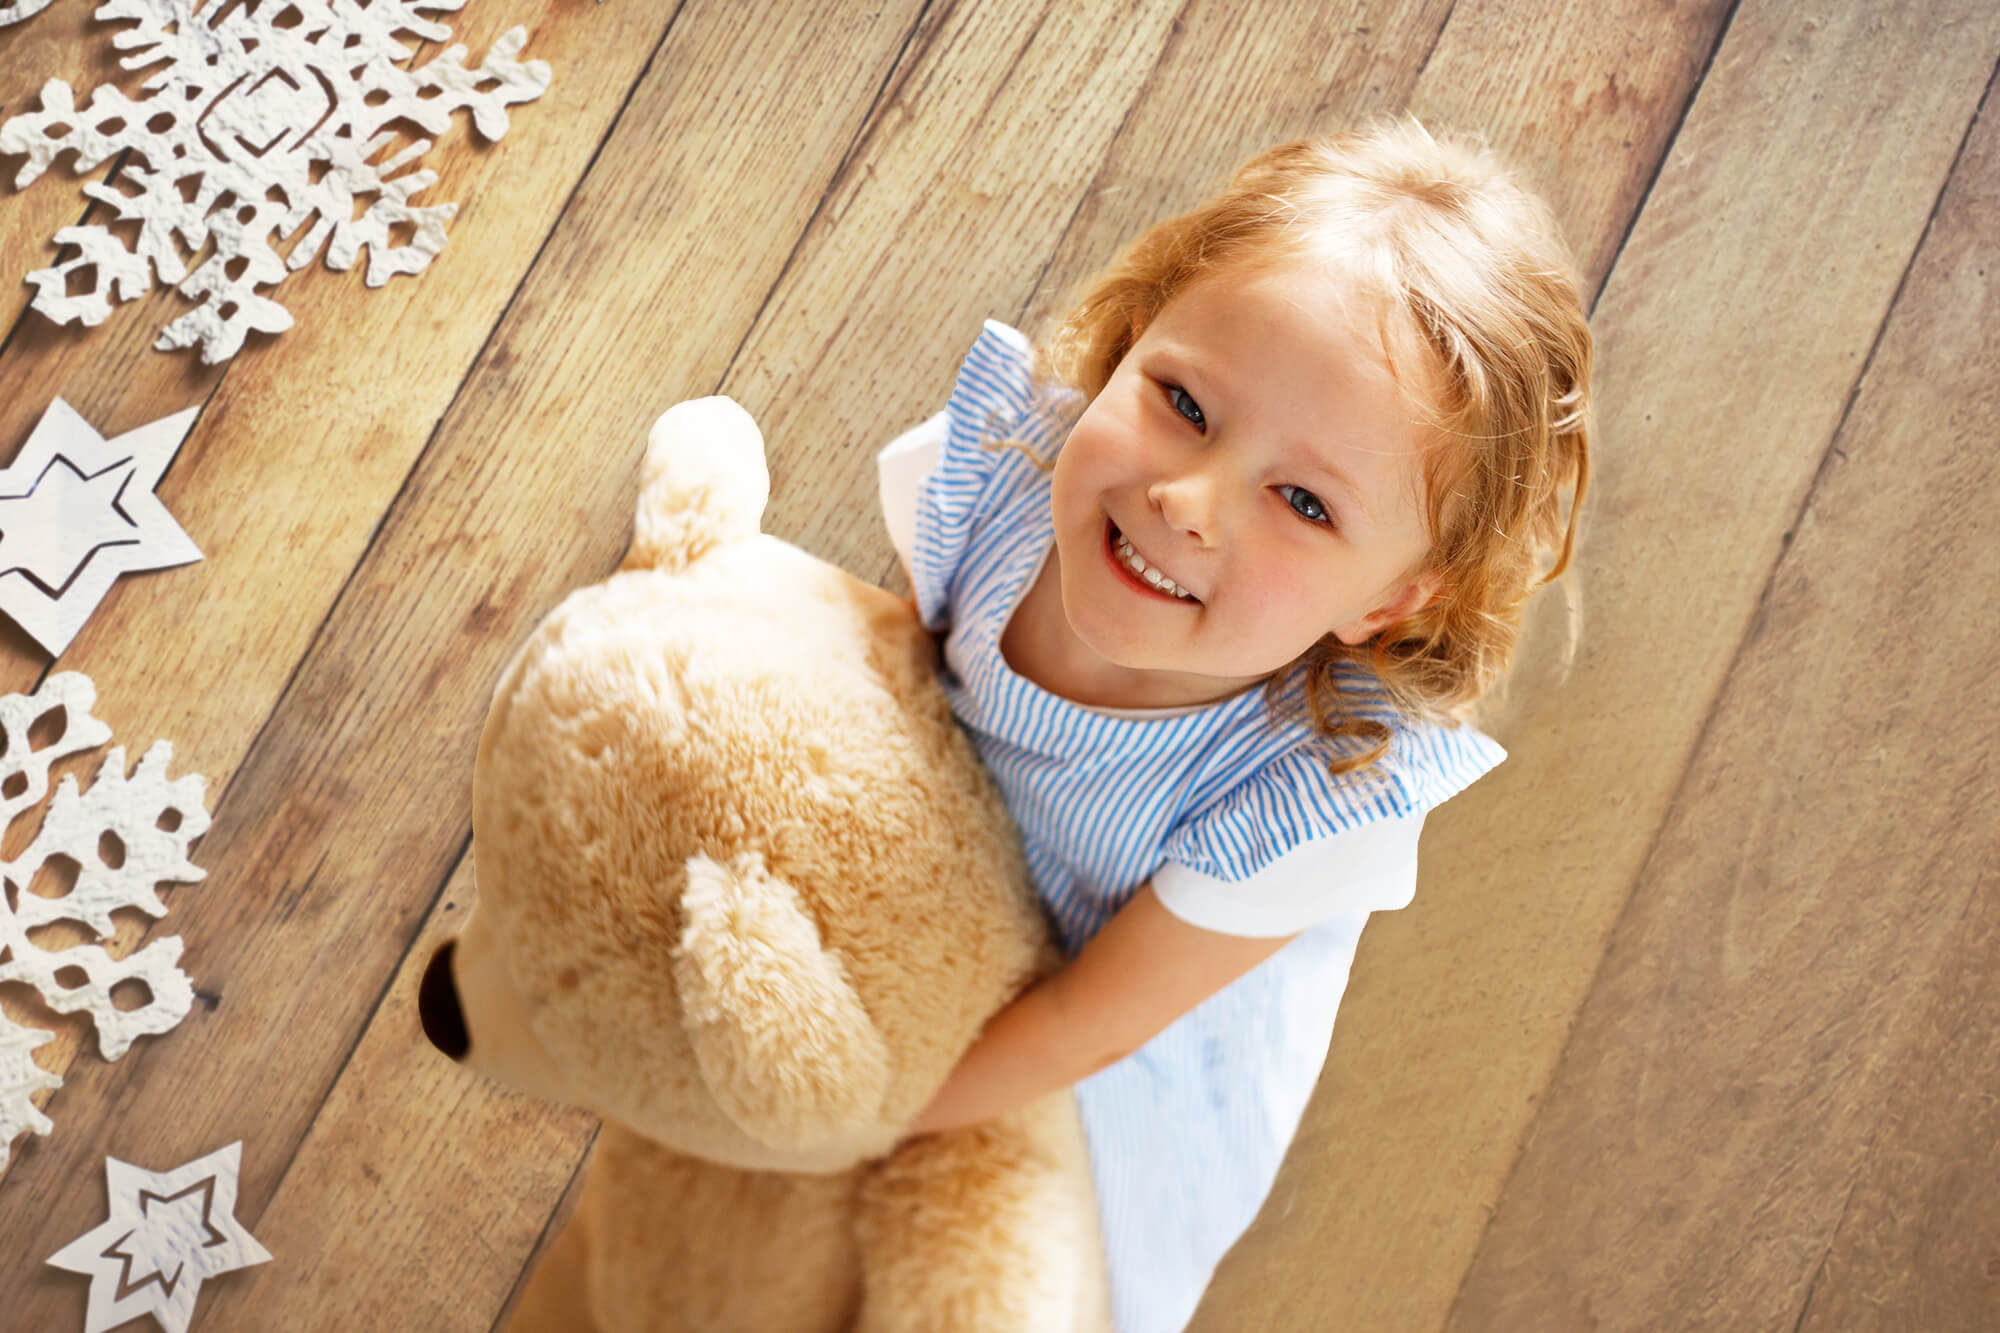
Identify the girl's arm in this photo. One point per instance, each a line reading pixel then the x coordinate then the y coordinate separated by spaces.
pixel 1143 970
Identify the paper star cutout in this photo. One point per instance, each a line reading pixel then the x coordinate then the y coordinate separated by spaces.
pixel 76 511
pixel 168 1231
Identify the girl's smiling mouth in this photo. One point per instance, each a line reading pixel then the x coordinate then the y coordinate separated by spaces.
pixel 1136 571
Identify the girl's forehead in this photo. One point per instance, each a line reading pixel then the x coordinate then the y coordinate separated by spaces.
pixel 1303 313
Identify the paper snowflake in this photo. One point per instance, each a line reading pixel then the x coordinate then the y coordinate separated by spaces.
pixel 266 117
pixel 168 1232
pixel 104 848
pixel 13 11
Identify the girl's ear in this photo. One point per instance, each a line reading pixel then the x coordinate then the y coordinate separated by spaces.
pixel 1398 603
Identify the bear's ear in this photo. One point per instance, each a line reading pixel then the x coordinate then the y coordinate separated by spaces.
pixel 703 484
pixel 782 1040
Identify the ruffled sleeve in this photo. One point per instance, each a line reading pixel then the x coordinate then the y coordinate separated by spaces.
pixel 968 461
pixel 1291 845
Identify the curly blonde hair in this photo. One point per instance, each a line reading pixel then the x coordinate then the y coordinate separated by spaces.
pixel 1471 273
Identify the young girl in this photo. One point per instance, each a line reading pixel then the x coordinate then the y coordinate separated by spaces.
pixel 1221 569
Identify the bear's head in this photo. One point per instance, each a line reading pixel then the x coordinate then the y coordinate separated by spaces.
pixel 743 885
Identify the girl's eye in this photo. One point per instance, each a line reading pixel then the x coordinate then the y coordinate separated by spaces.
pixel 1189 409
pixel 1307 505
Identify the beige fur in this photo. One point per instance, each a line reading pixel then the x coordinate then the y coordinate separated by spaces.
pixel 745 891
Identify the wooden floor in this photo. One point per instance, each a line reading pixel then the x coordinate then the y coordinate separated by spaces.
pixel 1692 1025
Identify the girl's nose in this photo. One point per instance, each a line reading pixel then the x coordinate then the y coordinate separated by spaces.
pixel 1186 503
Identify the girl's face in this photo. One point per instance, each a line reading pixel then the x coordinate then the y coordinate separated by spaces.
pixel 1253 449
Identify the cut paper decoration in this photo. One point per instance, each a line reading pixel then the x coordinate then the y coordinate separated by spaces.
pixel 120 839
pixel 76 511
pixel 20 9
pixel 20 1079
pixel 168 1232
pixel 267 117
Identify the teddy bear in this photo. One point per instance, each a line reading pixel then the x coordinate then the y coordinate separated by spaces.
pixel 744 891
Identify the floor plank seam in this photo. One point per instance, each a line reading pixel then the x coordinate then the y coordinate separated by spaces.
pixel 1867 1153
pixel 864 134
pixel 1436 38
pixel 1666 152
pixel 998 88
pixel 1805 1307
pixel 1834 453
pixel 500 320
pixel 362 1030
pixel 1819 1269
pixel 1090 191
pixel 1840 1223
pixel 544 1238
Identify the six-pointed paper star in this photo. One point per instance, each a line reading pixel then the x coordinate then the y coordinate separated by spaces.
pixel 76 511
pixel 167 1232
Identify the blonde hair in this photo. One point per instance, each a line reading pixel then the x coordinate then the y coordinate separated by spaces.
pixel 1469 267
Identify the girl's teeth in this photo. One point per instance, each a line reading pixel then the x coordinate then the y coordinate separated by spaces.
pixel 1137 563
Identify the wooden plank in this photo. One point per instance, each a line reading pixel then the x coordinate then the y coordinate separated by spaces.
pixel 432 1223
pixel 352 392
pixel 1916 1245
pixel 1797 953
pixel 351 806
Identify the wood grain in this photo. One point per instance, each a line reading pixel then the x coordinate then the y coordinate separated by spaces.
pixel 1919 1242
pixel 303 441
pixel 1795 955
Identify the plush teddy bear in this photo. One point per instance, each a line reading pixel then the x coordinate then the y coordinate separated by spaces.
pixel 745 892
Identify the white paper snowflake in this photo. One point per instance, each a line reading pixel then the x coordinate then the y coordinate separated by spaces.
pixel 13 11
pixel 264 118
pixel 121 839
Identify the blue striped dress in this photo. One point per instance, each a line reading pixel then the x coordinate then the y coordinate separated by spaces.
pixel 1232 817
